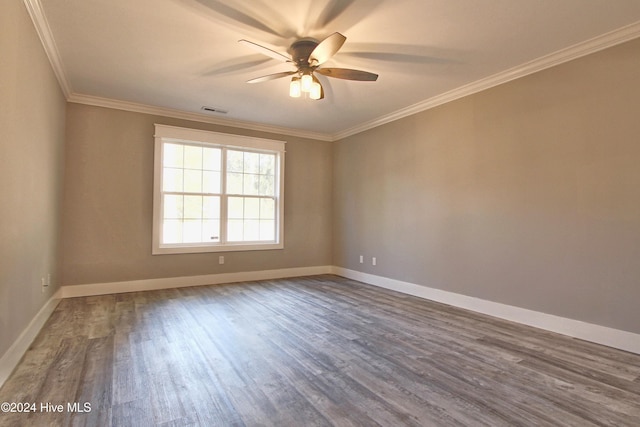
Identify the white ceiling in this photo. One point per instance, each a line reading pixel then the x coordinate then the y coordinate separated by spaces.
pixel 179 55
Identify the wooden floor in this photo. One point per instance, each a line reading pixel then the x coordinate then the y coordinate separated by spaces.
pixel 311 351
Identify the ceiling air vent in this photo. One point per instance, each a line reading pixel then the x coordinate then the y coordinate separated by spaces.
pixel 214 110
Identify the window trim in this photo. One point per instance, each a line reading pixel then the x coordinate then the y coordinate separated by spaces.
pixel 165 133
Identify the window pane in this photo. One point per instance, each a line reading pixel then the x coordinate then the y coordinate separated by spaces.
pixel 211 159
pixel 211 182
pixel 234 230
pixel 172 231
pixel 192 157
pixel 235 161
pixel 251 230
pixel 172 179
pixel 251 208
pixel 267 230
pixel 234 183
pixel 235 207
pixel 250 186
pixel 172 155
pixel 251 162
pixel 211 207
pixel 267 209
pixel 266 186
pixel 192 181
pixel 210 231
pixel 193 207
pixel 267 164
pixel 192 231
pixel 172 206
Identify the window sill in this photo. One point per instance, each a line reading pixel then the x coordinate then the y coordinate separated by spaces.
pixel 177 249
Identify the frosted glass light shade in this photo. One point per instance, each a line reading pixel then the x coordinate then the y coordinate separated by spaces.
pixel 307 81
pixel 295 88
pixel 316 91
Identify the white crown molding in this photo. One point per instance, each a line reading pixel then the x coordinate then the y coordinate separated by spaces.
pixel 196 117
pixel 593 45
pixel 598 334
pixel 34 7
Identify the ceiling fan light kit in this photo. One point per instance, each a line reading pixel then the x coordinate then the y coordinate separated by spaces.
pixel 295 88
pixel 305 84
pixel 306 81
pixel 307 55
pixel 316 91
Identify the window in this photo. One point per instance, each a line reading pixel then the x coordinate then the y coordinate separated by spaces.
pixel 216 192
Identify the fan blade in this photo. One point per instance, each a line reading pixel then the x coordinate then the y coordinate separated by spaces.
pixel 236 65
pixel 347 74
pixel 265 51
pixel 332 10
pixel 271 77
pixel 327 48
pixel 234 15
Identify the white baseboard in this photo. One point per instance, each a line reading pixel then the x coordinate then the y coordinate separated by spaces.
pixel 11 357
pixel 615 338
pixel 181 282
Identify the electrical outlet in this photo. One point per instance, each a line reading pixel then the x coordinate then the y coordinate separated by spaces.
pixel 374 261
pixel 361 259
pixel 221 259
pixel 45 282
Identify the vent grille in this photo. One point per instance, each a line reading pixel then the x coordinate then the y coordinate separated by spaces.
pixel 214 110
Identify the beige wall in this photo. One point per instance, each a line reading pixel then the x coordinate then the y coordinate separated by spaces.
pixel 526 194
pixel 108 203
pixel 32 117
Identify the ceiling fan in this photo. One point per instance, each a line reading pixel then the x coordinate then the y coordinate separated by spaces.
pixel 307 55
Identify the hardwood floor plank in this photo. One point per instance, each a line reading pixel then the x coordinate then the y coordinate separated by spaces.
pixel 129 371
pixel 344 348
pixel 96 386
pixel 249 356
pixel 133 413
pixel 314 351
pixel 530 355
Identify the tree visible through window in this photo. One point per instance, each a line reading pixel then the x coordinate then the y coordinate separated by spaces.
pixel 216 192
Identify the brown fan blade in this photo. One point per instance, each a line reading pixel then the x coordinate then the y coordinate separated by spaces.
pixel 271 77
pixel 265 51
pixel 347 74
pixel 327 48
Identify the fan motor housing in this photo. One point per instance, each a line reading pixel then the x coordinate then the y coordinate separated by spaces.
pixel 300 51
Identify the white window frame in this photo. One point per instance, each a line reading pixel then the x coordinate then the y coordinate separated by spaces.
pixel 164 133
